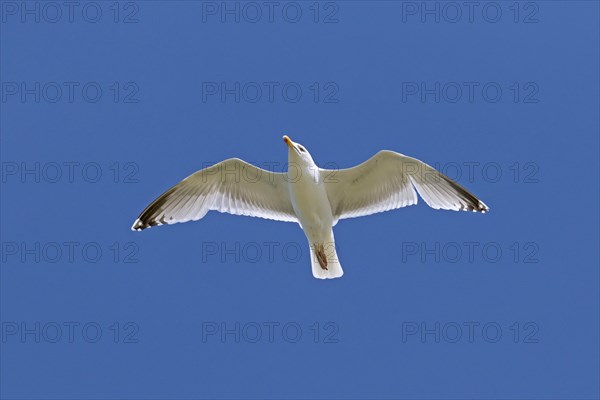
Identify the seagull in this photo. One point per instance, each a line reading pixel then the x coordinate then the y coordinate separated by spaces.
pixel 313 197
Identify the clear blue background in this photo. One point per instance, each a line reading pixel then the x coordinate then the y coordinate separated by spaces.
pixel 171 132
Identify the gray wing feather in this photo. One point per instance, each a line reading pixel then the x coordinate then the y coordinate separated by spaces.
pixel 232 186
pixel 391 180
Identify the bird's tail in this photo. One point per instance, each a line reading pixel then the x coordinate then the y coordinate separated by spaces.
pixel 324 259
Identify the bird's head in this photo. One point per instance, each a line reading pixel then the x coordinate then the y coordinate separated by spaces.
pixel 298 154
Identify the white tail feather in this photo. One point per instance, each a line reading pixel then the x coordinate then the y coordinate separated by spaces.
pixel 334 269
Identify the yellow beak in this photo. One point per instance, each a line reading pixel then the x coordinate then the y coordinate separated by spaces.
pixel 288 141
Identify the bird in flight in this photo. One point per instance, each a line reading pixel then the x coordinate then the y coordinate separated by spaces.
pixel 313 197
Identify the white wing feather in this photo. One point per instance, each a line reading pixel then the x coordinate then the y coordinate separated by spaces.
pixel 388 181
pixel 232 186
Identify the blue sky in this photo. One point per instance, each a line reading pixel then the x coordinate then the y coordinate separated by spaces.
pixel 104 107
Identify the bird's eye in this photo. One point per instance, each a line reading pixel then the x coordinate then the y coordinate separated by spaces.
pixel 301 149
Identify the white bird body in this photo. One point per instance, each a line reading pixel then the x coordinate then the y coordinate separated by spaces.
pixel 313 210
pixel 311 206
pixel 384 182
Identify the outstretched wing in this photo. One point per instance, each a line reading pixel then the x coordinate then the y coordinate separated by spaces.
pixel 388 181
pixel 231 186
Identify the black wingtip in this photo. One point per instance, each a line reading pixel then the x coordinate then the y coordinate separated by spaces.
pixel 139 225
pixel 145 222
pixel 473 203
pixel 136 226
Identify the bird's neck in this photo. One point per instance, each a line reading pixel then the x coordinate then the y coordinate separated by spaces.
pixel 303 172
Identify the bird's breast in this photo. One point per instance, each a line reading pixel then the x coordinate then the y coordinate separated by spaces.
pixel 311 204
